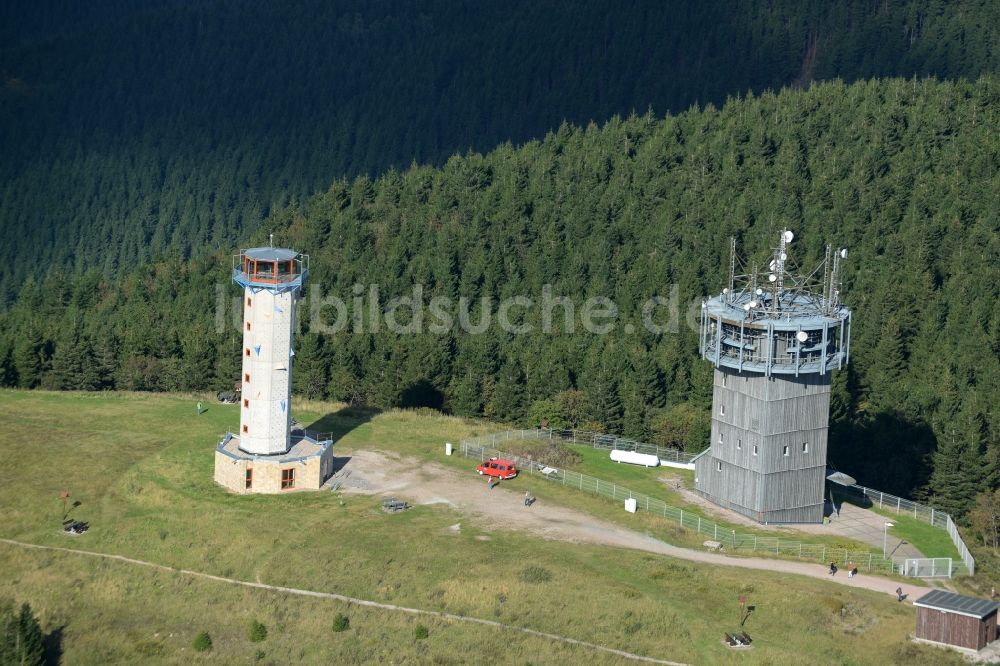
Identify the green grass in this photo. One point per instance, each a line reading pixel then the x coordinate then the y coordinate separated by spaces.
pixel 929 540
pixel 141 466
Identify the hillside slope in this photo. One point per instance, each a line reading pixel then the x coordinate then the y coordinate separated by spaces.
pixel 167 126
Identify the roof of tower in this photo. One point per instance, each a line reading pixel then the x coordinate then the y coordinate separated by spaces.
pixel 793 311
pixel 270 253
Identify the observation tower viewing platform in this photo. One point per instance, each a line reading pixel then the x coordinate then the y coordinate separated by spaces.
pixel 275 269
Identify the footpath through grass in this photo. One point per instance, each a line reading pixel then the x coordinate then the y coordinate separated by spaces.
pixel 141 468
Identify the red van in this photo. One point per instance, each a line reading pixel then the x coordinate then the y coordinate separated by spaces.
pixel 498 467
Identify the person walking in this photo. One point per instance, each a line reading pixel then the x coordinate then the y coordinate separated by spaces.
pixel 833 568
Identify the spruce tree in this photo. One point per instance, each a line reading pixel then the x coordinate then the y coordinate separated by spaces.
pixel 310 374
pixel 28 359
pixel 32 647
pixel 634 422
pixel 466 394
pixel 21 639
pixel 954 482
pixel 198 360
pixel 227 364
pixel 508 402
pixel 606 405
pixel 649 380
pixel 8 370
pixel 67 363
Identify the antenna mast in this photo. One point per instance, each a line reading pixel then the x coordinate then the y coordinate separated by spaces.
pixel 732 265
pixel 835 279
pixel 826 280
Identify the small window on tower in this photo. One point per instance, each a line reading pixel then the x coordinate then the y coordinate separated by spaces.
pixel 722 409
pixel 249 478
pixel 246 402
pixel 723 381
pixel 720 438
pixel 739 443
pixel 246 429
pixel 784 450
pixel 246 377
pixel 805 447
pixel 718 466
pixel 288 478
pixel 755 449
pixel 249 301
pixel 248 326
pixel 246 352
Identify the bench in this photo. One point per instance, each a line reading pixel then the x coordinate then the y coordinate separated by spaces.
pixel 713 545
pixel 392 505
pixel 76 527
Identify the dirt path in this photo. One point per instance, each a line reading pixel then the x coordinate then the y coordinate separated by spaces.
pixel 381 473
pixel 350 600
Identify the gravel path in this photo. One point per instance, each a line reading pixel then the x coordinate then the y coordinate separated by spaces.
pixel 430 483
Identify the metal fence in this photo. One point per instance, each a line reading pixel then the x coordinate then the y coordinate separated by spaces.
pixel 596 440
pixel 485 447
pixel 313 434
pixel 922 512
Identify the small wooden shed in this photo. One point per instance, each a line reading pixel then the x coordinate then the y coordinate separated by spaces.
pixel 956 620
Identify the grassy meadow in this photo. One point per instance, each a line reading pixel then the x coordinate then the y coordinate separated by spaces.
pixel 141 467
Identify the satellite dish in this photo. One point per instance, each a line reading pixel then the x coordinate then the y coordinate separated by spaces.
pixel 784 256
pixel 789 236
pixel 841 478
pixel 772 265
pixel 801 336
pixel 843 253
pixel 747 307
pixel 772 278
pixel 726 290
pixel 753 304
pixel 760 291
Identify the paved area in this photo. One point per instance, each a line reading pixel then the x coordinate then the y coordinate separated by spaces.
pixel 852 522
pixel 430 483
pixel 865 526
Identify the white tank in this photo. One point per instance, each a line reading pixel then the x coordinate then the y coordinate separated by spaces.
pixel 634 458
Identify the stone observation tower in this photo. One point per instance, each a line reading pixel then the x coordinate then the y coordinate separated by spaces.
pixel 267 455
pixel 774 337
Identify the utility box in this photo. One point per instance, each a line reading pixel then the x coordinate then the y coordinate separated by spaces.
pixel 630 505
pixel 447 448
